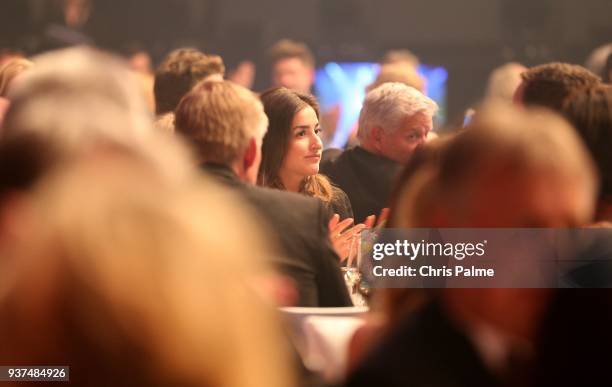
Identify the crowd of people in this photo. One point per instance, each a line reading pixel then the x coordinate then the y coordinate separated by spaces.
pixel 149 231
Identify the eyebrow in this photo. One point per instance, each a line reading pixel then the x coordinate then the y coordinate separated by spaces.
pixel 305 126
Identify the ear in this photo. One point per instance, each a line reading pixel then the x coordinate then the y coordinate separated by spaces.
pixel 376 135
pixel 250 155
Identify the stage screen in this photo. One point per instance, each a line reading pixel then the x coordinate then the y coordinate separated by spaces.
pixel 340 88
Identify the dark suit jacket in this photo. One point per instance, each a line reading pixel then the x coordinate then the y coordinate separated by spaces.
pixel 425 350
pixel 366 178
pixel 300 226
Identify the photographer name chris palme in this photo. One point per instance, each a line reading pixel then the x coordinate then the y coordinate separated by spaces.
pixel 412 250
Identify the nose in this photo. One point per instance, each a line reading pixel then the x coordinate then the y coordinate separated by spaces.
pixel 315 143
pixel 423 137
pixel 286 79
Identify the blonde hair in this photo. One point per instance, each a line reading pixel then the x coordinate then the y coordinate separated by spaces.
pixel 10 70
pixel 141 284
pixel 220 118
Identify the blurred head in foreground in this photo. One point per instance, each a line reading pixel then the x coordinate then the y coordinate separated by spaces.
pixel 140 284
pixel 73 100
pixel 508 169
pixel 78 95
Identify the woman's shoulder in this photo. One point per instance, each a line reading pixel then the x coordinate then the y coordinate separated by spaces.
pixel 337 192
pixel 341 203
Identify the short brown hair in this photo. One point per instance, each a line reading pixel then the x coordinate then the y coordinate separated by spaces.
pixel 180 71
pixel 549 84
pixel 219 118
pixel 590 111
pixel 287 48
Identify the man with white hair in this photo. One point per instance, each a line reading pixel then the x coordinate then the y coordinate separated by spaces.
pixel 394 120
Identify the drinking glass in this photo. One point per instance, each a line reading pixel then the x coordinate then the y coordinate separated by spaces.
pixel 351 273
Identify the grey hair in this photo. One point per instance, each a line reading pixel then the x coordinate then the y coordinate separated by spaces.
pixel 389 104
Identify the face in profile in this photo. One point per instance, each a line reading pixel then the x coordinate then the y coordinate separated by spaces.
pixel 294 74
pixel 398 145
pixel 305 146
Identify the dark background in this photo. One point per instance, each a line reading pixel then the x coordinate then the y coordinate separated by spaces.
pixel 468 37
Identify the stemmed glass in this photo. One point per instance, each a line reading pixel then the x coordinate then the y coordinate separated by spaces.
pixel 351 273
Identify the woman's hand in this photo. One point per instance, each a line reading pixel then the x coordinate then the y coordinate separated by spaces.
pixel 341 234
